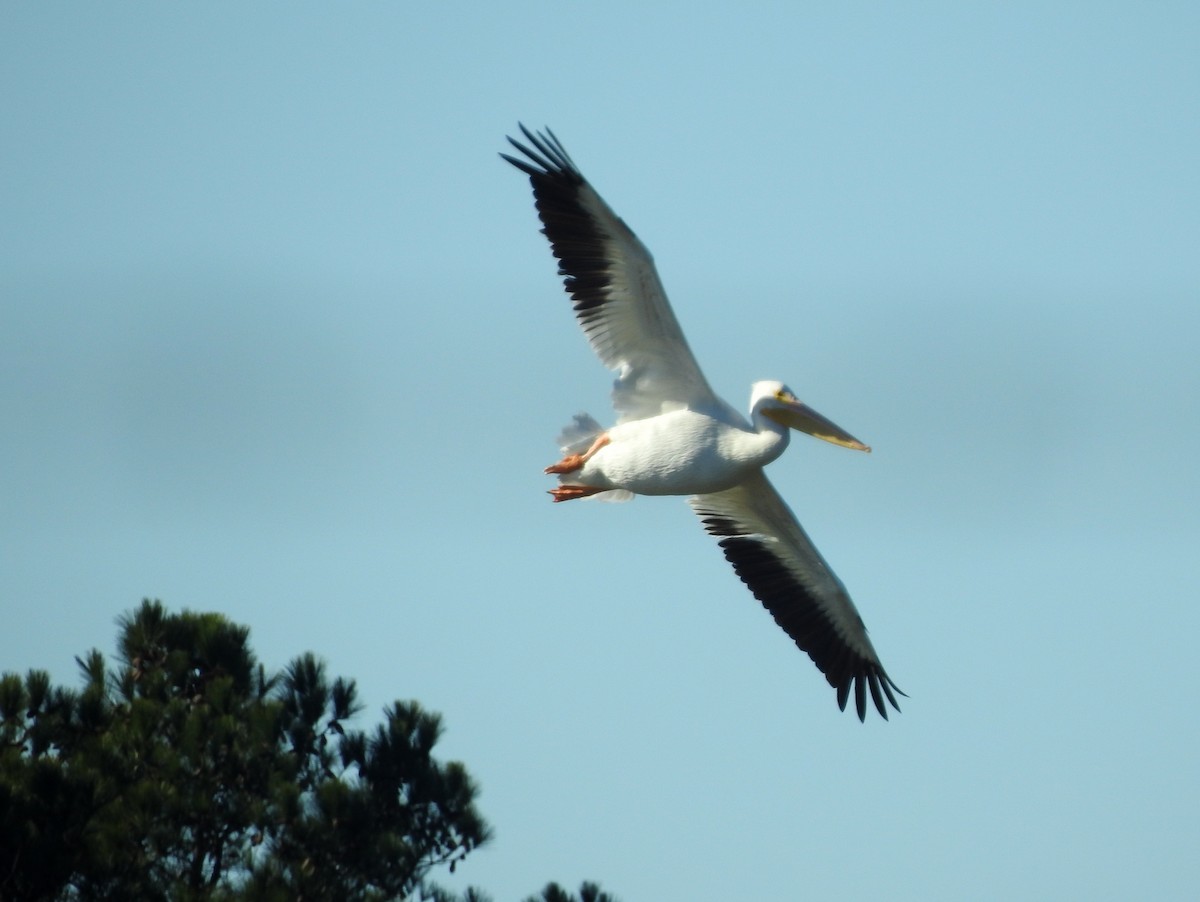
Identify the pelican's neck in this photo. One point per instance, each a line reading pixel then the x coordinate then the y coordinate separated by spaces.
pixel 770 438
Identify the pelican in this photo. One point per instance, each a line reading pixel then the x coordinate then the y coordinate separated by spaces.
pixel 674 436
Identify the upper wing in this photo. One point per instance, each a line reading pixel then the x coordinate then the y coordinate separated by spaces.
pixel 776 559
pixel 610 276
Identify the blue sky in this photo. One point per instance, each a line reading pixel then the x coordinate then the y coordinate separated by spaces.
pixel 279 338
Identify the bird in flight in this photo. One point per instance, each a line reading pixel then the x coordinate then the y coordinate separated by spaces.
pixel 675 436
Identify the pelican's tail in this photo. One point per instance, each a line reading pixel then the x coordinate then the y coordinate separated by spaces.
pixel 577 436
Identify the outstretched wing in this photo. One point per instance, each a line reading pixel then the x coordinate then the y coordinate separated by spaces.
pixel 617 295
pixel 776 560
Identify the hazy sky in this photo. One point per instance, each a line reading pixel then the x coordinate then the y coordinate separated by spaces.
pixel 279 338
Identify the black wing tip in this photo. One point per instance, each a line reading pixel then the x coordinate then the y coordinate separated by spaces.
pixel 546 159
pixel 871 678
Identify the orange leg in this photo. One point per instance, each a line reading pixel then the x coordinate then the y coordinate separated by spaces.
pixel 571 492
pixel 573 462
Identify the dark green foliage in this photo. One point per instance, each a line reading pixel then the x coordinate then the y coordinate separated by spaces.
pixel 588 892
pixel 190 773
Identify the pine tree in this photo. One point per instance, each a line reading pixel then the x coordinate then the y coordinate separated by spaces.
pixel 190 773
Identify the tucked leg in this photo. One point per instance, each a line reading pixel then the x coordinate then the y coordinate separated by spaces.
pixel 573 462
pixel 571 492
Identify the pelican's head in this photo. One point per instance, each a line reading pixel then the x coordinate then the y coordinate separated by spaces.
pixel 776 401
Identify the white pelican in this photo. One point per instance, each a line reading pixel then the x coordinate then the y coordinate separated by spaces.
pixel 674 436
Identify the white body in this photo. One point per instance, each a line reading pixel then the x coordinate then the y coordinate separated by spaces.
pixel 683 452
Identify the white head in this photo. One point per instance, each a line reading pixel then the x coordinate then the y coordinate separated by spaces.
pixel 776 401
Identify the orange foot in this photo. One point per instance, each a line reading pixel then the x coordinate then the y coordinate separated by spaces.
pixel 573 462
pixel 571 492
pixel 568 464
